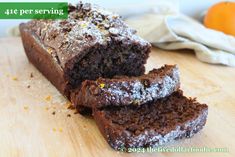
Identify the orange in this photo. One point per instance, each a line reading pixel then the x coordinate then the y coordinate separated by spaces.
pixel 221 17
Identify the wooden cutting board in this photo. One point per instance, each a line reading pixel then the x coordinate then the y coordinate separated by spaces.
pixel 35 121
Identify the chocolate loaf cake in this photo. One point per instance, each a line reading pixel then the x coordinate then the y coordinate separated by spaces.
pixel 151 124
pixel 91 43
pixel 123 90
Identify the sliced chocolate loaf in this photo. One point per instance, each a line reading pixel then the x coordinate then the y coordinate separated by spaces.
pixel 91 43
pixel 151 124
pixel 123 91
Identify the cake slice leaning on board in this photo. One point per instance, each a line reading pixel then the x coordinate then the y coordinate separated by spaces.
pixel 152 124
pixel 123 90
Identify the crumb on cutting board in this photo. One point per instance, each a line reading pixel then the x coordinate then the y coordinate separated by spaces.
pixel 76 112
pixel 14 78
pixel 60 129
pixel 48 98
pixel 68 105
pixel 26 107
pixel 31 75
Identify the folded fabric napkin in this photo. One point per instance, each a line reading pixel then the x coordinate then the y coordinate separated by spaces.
pixel 165 27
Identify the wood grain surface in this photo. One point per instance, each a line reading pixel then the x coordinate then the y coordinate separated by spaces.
pixel 35 121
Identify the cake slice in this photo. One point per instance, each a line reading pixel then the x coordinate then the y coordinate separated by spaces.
pixel 91 43
pixel 151 124
pixel 124 91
